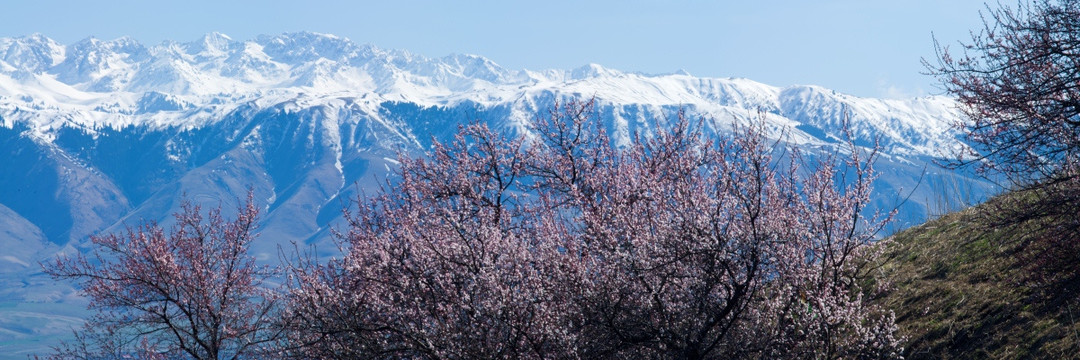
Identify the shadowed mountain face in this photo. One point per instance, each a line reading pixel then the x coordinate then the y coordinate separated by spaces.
pixel 99 135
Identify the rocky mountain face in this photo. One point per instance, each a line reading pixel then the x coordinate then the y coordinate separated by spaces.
pixel 99 135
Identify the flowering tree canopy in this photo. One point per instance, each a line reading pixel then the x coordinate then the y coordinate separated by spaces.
pixel 190 292
pixel 1019 83
pixel 560 245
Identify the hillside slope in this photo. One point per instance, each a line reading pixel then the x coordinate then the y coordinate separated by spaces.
pixel 965 288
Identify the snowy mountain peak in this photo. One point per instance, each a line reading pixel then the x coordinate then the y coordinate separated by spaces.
pixel 124 44
pixel 478 67
pixel 95 83
pixel 300 47
pixel 101 66
pixel 211 45
pixel 34 53
pixel 592 71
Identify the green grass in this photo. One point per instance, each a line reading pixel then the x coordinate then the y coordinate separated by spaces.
pixel 960 292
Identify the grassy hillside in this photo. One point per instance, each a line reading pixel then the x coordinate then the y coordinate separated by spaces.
pixel 964 289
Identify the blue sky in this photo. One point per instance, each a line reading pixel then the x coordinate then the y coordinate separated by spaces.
pixel 860 47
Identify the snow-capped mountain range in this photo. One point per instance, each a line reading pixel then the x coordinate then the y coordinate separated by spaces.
pixel 101 134
pixel 95 83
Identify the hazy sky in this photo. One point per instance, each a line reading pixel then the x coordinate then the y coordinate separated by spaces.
pixel 860 47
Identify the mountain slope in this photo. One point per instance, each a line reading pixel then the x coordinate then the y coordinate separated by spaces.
pixel 297 111
pixel 963 288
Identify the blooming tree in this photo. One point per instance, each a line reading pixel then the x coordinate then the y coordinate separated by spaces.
pixel 190 292
pixel 1019 82
pixel 561 245
pixel 443 266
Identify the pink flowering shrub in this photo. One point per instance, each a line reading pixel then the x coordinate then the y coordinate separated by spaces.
pixel 560 245
pixel 190 292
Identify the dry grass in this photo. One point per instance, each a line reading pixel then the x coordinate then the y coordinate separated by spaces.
pixel 960 292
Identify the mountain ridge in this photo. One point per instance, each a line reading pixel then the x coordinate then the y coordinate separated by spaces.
pixel 219 69
pixel 327 94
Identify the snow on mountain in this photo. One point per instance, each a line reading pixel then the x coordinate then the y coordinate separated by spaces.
pixel 212 46
pixel 174 88
pixel 98 135
pixel 101 66
pixel 34 53
pixel 83 79
pixel 592 71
